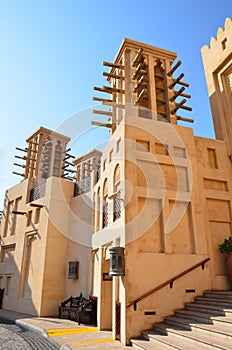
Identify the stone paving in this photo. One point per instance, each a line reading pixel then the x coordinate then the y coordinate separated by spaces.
pixel 65 333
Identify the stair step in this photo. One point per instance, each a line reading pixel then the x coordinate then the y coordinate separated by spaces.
pixel 177 341
pixel 214 301
pixel 218 294
pixel 203 317
pixel 142 343
pixel 206 338
pixel 211 309
pixel 187 324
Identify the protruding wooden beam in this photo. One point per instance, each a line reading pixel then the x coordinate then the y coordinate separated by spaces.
pixel 97 111
pixel 176 81
pixel 106 125
pixel 137 57
pixel 21 149
pixel 19 212
pixel 183 83
pixel 14 172
pixel 113 65
pixel 24 166
pixel 68 163
pixel 177 93
pixel 99 99
pixel 114 76
pixel 187 108
pixel 109 89
pixel 25 158
pixel 174 68
pixel 31 150
pixel 67 156
pixel 114 104
pixel 178 105
pixel 189 120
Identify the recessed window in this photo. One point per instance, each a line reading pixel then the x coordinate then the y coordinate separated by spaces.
pixel 224 44
pixel 37 215
pixel 29 216
pixel 143 145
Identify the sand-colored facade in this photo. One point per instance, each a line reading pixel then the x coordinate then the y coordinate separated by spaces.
pixel 156 190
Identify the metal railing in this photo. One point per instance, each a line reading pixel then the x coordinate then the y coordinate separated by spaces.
pixel 82 186
pixel 37 192
pixel 168 282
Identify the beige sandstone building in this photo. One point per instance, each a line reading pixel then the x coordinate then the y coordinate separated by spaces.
pixel 150 209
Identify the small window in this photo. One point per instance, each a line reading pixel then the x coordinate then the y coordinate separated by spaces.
pixel 73 269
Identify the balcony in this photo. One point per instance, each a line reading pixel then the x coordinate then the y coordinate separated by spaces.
pixel 82 186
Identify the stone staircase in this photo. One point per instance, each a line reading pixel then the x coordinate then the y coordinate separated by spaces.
pixel 205 323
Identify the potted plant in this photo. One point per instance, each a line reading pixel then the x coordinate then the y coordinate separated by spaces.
pixel 226 248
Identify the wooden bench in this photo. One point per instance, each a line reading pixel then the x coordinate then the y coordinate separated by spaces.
pixel 79 309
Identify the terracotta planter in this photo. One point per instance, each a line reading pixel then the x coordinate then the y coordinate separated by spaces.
pixel 229 266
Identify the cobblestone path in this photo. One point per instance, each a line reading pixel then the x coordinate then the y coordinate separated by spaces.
pixel 13 337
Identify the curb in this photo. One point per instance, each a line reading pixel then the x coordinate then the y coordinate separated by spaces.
pixel 31 327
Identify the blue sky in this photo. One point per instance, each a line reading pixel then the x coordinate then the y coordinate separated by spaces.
pixel 52 52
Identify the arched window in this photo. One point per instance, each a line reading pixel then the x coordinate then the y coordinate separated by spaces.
pixel 117 199
pixel 105 204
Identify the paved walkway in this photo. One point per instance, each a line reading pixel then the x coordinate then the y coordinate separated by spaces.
pixel 65 332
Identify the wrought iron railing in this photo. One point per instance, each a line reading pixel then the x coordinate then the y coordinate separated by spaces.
pixel 82 186
pixel 168 282
pixel 105 215
pixel 37 192
pixel 117 207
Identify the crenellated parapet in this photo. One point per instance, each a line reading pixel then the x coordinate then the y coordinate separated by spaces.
pixel 217 59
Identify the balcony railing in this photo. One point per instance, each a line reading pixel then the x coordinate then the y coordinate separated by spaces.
pixel 37 192
pixel 82 186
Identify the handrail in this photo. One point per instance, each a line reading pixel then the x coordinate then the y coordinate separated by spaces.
pixel 170 281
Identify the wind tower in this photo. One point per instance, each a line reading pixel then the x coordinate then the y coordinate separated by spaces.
pixel 45 155
pixel 144 76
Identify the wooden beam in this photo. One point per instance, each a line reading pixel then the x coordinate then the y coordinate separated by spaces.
pixel 114 76
pixel 177 93
pixel 174 68
pixel 176 81
pixel 189 120
pixel 106 125
pixel 21 149
pixel 99 99
pixel 97 111
pixel 114 65
pixel 109 89
pixel 187 108
pixel 140 70
pixel 178 105
pixel 24 166
pixel 137 57
pixel 14 172
pixel 141 96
